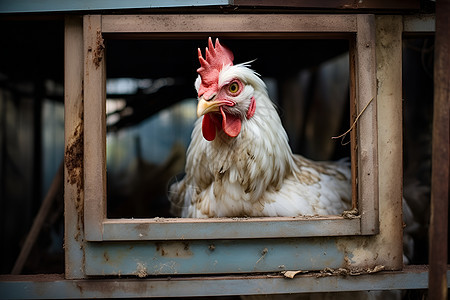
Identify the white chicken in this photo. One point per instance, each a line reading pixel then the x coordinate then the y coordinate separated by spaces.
pixel 239 162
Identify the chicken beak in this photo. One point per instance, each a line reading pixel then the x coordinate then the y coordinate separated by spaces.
pixel 204 107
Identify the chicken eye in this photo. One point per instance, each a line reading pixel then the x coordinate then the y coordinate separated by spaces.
pixel 233 88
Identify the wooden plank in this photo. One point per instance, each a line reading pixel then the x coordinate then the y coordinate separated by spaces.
pixel 353 133
pixel 73 141
pixel 390 135
pixel 95 128
pixel 335 4
pixel 367 125
pixel 213 256
pixel 226 228
pixel 227 23
pixel 54 286
pixel 440 155
pixel 39 220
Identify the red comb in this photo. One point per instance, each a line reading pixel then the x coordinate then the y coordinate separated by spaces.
pixel 215 59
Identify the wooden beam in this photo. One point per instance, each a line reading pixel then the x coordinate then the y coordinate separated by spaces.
pixel 367 125
pixel 95 127
pixel 218 24
pixel 54 286
pixel 353 114
pixel 227 228
pixel 390 135
pixel 73 140
pixel 336 4
pixel 440 155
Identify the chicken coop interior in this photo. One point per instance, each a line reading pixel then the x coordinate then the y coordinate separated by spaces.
pixel 150 112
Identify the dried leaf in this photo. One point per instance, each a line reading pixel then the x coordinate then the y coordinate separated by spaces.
pixel 291 274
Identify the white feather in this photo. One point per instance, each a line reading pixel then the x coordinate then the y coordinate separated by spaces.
pixel 255 173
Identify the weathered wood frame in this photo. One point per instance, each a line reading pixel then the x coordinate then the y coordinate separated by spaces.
pixel 358 28
pixel 55 286
pixel 96 245
pixel 389 103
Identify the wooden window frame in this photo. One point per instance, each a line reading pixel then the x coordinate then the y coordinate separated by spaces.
pixel 360 29
pixel 161 246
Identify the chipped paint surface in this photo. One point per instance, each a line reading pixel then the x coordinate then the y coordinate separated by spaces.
pixel 141 270
pixel 220 256
pixel 175 249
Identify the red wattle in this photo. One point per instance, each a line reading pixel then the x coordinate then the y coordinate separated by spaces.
pixel 231 124
pixel 208 128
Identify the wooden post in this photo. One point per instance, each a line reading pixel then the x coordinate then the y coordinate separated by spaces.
pixel 437 286
pixel 95 122
pixel 367 125
pixel 389 113
pixel 73 155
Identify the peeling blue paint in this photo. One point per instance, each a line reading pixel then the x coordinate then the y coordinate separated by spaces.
pixel 211 256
